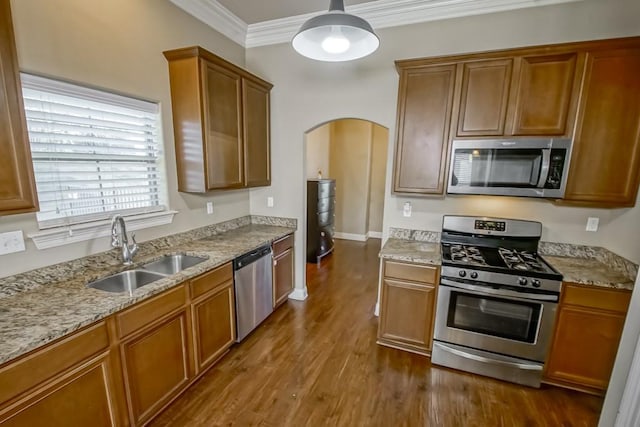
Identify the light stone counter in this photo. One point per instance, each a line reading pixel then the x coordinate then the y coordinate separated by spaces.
pixel 590 271
pixel 42 305
pixel 411 251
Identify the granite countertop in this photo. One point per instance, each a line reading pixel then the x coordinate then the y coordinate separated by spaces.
pixel 412 251
pixel 589 271
pixel 60 303
pixel 585 265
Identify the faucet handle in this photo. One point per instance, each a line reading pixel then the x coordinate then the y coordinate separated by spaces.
pixel 134 245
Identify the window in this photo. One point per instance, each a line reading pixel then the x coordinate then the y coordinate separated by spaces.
pixel 94 153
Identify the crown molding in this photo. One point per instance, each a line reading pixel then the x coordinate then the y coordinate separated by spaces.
pixel 217 17
pixel 380 14
pixel 390 13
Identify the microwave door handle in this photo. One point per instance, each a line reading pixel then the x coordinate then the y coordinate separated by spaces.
pixel 544 169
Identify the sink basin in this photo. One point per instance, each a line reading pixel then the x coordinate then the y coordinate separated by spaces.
pixel 127 281
pixel 171 264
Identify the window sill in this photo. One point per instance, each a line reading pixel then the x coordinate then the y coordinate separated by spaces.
pixel 80 232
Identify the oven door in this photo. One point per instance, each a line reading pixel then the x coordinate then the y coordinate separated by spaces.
pixel 500 321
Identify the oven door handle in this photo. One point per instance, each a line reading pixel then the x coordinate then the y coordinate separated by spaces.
pixel 501 292
pixel 544 168
pixel 482 359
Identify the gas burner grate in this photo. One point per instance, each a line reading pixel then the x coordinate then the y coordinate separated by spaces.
pixel 467 255
pixel 520 260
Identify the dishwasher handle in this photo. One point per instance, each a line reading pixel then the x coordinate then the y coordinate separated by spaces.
pixel 251 257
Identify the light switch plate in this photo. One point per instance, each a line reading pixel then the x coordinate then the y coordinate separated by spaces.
pixel 209 208
pixel 592 223
pixel 406 211
pixel 12 241
pixel 269 202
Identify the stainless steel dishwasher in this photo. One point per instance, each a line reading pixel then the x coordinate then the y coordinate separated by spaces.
pixel 252 280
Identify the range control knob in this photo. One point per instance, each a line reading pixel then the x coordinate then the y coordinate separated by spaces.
pixel 522 281
pixel 535 283
pixel 462 273
pixel 474 275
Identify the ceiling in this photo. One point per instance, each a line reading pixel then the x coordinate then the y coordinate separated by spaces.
pixel 252 11
pixel 253 23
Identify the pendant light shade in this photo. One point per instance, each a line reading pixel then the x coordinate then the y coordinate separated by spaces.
pixel 335 36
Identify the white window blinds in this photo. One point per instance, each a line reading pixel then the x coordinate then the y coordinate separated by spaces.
pixel 94 153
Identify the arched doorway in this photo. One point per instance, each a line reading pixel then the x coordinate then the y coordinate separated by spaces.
pixel 353 152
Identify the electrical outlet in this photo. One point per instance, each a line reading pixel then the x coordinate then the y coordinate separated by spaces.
pixel 10 242
pixel 592 223
pixel 269 202
pixel 406 211
pixel 209 208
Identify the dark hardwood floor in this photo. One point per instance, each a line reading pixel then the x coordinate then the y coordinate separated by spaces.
pixel 316 363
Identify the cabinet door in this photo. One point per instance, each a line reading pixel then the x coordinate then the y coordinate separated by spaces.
pixel 484 97
pixel 282 276
pixel 544 94
pixel 214 325
pixel 155 364
pixel 406 314
pixel 223 133
pixel 584 346
pixel 17 185
pixel 425 102
pixel 257 167
pixel 82 397
pixel 605 160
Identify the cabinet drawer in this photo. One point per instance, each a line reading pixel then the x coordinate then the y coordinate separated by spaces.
pixel 281 245
pixel 413 272
pixel 144 313
pixel 325 218
pixel 211 280
pixel 601 298
pixel 326 189
pixel 326 204
pixel 29 371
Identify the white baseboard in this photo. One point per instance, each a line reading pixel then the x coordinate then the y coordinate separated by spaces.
pixel 374 234
pixel 299 294
pixel 350 236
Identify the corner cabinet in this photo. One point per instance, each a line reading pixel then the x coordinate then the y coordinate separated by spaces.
pixel 587 334
pixel 17 184
pixel 407 306
pixel 605 160
pixel 221 117
pixel 425 101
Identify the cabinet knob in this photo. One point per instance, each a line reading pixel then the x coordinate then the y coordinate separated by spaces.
pixel 275 262
pixel 322 233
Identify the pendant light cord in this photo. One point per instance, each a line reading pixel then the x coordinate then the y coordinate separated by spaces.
pixel 336 5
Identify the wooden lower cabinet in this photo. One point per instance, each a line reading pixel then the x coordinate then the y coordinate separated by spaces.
pixel 213 325
pixel 588 329
pixel 407 307
pixel 82 397
pixel 125 369
pixel 155 364
pixel 283 269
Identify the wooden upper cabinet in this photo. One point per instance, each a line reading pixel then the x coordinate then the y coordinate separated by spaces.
pixel 17 184
pixel 544 100
pixel 425 102
pixel 605 161
pixel 257 160
pixel 484 97
pixel 223 133
pixel 220 122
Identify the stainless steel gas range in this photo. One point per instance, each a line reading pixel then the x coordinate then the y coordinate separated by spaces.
pixel 497 299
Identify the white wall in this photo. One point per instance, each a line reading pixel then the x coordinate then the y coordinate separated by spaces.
pixel 307 93
pixel 116 45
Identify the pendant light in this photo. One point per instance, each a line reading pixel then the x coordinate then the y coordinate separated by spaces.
pixel 335 36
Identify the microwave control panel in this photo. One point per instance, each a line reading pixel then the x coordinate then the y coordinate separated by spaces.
pixel 556 167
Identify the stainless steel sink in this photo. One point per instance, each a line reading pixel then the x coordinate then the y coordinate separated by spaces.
pixel 127 281
pixel 172 264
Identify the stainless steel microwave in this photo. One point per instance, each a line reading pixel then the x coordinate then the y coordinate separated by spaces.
pixel 510 167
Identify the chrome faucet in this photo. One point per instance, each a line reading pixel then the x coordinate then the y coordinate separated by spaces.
pixel 121 240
